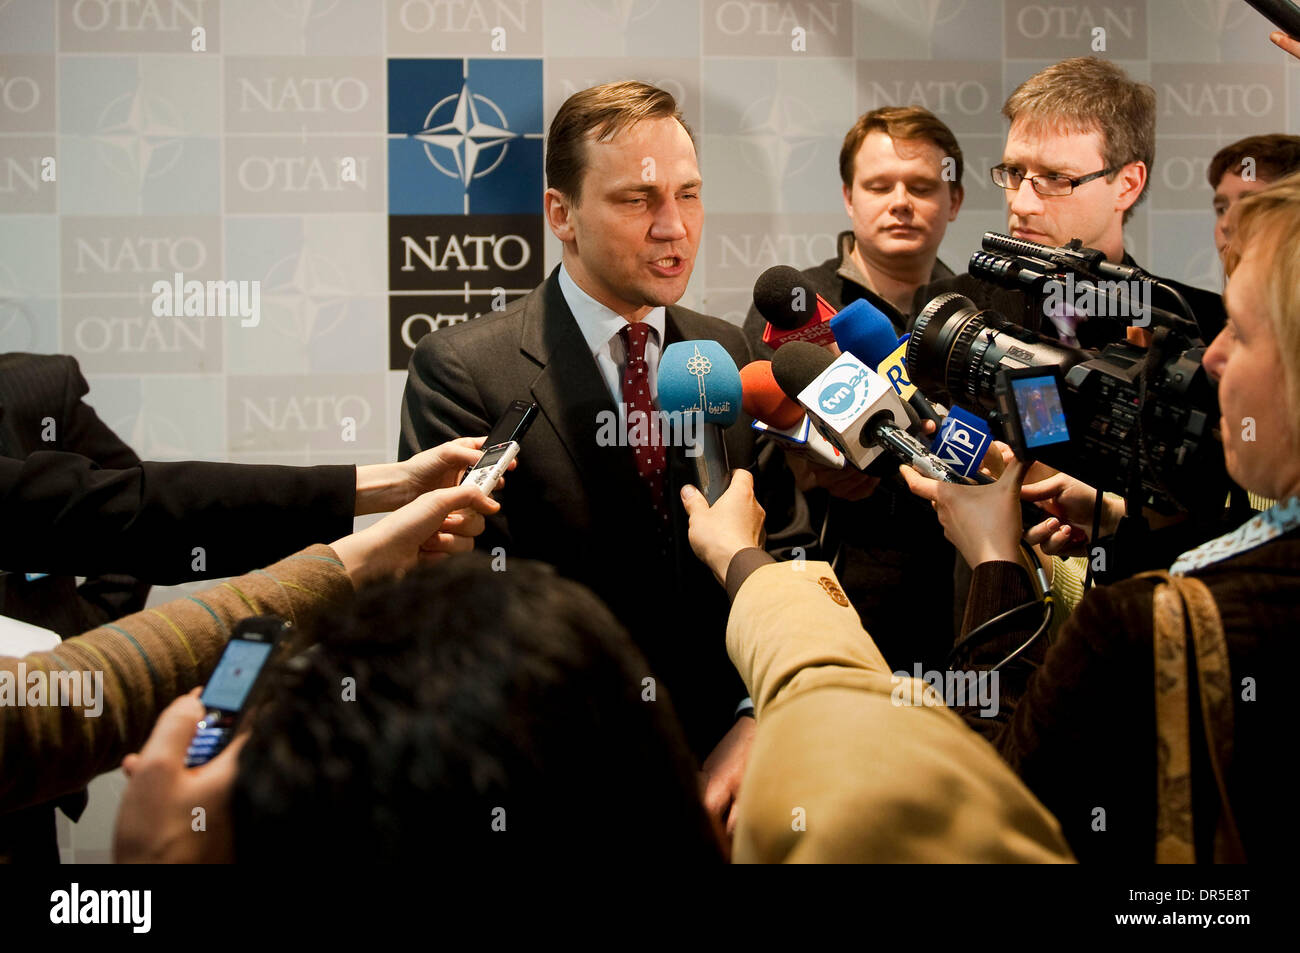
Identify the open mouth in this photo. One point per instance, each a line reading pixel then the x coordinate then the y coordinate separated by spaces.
pixel 668 265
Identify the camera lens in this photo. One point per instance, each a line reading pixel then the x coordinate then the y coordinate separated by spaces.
pixel 956 351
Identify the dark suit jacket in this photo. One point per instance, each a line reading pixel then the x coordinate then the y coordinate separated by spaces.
pixel 40 395
pixel 582 507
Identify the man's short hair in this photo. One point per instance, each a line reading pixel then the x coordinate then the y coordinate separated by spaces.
pixel 456 697
pixel 601 112
pixel 1088 94
pixel 1276 155
pixel 901 122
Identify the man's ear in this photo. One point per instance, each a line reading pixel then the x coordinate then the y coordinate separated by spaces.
pixel 1132 178
pixel 848 199
pixel 958 195
pixel 558 210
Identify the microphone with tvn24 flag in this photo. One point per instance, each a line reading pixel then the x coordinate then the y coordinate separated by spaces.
pixel 781 418
pixel 792 309
pixel 856 409
pixel 699 379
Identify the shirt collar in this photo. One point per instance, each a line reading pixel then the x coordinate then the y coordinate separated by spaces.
pixel 598 323
pixel 1265 527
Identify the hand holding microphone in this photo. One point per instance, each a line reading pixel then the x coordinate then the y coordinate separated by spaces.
pixel 718 531
pixel 983 522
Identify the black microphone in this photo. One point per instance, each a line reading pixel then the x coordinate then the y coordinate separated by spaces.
pixel 792 309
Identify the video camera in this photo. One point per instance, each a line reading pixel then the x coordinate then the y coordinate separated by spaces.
pixel 1134 420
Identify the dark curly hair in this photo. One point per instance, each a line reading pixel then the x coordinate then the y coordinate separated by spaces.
pixel 478 699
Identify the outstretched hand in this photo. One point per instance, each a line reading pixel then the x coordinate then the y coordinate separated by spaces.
pixel 424 530
pixel 983 522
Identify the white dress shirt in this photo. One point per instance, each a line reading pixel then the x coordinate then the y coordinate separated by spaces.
pixel 600 328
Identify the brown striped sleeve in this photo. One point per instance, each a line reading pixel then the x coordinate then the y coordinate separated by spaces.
pixel 142 662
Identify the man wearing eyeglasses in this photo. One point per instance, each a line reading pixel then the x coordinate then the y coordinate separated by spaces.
pixel 1075 164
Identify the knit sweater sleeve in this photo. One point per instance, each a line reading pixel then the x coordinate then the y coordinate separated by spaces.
pixel 74 712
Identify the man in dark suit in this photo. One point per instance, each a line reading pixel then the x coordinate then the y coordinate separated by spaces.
pixel 1076 162
pixel 623 197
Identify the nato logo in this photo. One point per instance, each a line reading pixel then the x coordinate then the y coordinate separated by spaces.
pixel 464 136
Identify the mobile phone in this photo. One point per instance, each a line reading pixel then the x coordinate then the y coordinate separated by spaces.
pixel 240 671
pixel 501 446
pixel 1031 409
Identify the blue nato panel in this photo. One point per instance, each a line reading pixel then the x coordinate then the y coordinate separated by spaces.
pixel 465 136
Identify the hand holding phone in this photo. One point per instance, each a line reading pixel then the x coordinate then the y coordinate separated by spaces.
pixel 233 686
pixel 501 446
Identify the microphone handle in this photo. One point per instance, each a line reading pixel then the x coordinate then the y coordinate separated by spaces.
pixel 710 470
pixel 909 449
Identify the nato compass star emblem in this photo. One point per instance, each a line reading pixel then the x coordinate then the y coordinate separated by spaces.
pixel 139 136
pixel 465 137
pixel 307 290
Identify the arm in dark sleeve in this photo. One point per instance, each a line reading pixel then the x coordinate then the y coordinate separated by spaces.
pixel 441 403
pixel 66 516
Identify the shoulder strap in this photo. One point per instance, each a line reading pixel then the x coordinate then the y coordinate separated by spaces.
pixel 1183 606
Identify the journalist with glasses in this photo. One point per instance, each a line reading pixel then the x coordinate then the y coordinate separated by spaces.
pixel 1076 162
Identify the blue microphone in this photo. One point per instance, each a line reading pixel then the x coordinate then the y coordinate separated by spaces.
pixel 699 382
pixel 864 331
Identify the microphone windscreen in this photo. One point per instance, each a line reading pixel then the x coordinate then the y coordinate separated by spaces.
pixel 763 398
pixel 700 376
pixel 864 331
pixel 798 364
pixel 784 298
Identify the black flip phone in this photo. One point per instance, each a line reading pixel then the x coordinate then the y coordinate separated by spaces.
pixel 234 683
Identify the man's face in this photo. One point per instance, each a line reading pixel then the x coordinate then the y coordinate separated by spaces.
pixel 1245 359
pixel 899 203
pixel 631 242
pixel 1093 212
pixel 1232 189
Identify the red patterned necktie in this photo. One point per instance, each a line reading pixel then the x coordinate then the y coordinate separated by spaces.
pixel 643 435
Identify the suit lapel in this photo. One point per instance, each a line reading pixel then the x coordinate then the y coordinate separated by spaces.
pixel 573 398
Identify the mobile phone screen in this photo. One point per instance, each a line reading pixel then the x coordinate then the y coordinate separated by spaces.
pixel 228 688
